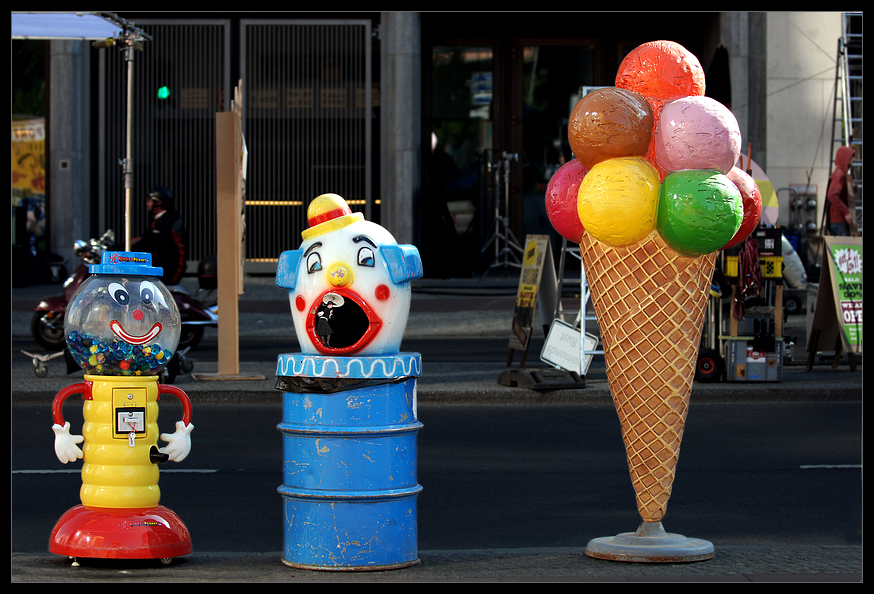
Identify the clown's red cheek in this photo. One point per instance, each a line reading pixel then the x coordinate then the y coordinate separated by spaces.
pixel 382 292
pixel 300 303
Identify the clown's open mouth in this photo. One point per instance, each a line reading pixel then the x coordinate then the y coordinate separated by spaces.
pixel 129 338
pixel 353 325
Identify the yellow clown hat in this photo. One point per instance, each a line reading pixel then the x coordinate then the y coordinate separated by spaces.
pixel 327 213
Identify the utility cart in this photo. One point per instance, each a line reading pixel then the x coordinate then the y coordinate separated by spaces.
pixel 742 338
pixel 754 348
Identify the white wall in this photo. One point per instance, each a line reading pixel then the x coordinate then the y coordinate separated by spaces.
pixel 802 49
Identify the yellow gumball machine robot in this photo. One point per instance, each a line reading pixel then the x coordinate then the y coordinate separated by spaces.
pixel 122 326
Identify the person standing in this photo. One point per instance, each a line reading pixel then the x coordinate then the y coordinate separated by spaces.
pixel 323 322
pixel 167 238
pixel 840 193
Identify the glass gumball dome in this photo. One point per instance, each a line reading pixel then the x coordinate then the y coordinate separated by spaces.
pixel 122 320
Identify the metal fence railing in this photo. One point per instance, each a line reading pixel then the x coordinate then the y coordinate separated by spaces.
pixel 308 111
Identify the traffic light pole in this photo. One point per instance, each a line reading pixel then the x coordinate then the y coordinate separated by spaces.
pixel 131 40
pixel 128 166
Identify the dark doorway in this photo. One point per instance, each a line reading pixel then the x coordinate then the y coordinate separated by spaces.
pixel 496 98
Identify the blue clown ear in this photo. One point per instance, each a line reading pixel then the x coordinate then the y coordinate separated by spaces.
pixel 403 262
pixel 286 271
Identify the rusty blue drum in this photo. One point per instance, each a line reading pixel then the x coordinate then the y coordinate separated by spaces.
pixel 349 430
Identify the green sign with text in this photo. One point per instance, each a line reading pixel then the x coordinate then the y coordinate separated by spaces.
pixel 845 266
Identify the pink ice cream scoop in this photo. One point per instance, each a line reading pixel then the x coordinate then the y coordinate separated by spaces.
pixel 697 133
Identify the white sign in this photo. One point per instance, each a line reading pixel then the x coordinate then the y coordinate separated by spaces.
pixel 562 347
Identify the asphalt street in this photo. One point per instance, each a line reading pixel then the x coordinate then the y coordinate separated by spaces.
pixel 509 479
pixel 515 481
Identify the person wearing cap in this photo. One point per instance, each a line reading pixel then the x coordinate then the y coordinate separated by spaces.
pixel 166 238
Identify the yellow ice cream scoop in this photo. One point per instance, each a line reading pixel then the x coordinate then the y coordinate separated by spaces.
pixel 618 200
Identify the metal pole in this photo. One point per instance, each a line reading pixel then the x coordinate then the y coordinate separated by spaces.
pixel 132 38
pixel 583 301
pixel 497 193
pixel 128 161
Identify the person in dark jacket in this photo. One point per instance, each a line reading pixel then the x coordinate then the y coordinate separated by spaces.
pixel 840 190
pixel 166 238
pixel 323 322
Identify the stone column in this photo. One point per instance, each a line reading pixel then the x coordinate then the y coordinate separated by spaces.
pixel 69 202
pixel 400 100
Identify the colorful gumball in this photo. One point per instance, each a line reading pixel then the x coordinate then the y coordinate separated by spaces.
pixel 561 200
pixel 699 211
pixel 618 200
pixel 752 204
pixel 697 133
pixel 608 123
pixel 661 69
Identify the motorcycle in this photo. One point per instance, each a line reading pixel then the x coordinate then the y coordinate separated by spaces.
pixel 47 324
pixel 36 266
pixel 195 314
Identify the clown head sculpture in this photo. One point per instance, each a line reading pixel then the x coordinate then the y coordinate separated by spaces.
pixel 122 320
pixel 348 284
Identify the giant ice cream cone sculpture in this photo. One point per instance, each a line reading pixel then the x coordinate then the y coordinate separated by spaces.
pixel 650 304
pixel 659 196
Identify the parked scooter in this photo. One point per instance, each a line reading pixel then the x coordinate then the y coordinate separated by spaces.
pixel 196 314
pixel 39 266
pixel 47 324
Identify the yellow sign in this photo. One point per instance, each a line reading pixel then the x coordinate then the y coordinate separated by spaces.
pixel 28 157
pixel 536 249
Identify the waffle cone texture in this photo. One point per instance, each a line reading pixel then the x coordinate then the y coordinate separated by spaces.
pixel 650 302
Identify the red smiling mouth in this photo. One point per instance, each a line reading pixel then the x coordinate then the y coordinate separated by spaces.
pixel 119 331
pixel 354 324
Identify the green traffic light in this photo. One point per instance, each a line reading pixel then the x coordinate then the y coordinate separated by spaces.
pixel 163 92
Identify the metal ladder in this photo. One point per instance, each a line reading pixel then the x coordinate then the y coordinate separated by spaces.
pixel 582 316
pixel 847 129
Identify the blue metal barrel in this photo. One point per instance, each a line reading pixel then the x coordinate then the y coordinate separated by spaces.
pixel 349 429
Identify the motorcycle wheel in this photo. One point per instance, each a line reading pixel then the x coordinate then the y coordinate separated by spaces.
pixel 709 367
pixel 46 336
pixel 190 336
pixel 791 306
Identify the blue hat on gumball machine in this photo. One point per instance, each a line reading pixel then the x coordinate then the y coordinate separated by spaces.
pixel 122 320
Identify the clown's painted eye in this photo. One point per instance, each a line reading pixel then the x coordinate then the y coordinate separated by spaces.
pixel 118 293
pixel 148 292
pixel 314 262
pixel 365 257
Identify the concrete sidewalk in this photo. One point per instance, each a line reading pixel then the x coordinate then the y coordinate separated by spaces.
pixel 730 564
pixel 460 308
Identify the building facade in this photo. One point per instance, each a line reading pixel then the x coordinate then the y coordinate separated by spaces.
pixel 443 127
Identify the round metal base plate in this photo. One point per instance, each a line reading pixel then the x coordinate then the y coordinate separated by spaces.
pixel 650 544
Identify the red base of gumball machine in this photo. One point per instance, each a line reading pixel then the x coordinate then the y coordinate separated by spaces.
pixel 106 533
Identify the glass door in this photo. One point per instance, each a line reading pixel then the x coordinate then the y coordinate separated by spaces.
pixel 460 142
pixel 551 78
pixel 492 107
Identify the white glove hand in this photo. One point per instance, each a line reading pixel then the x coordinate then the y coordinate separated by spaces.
pixel 179 443
pixel 65 444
